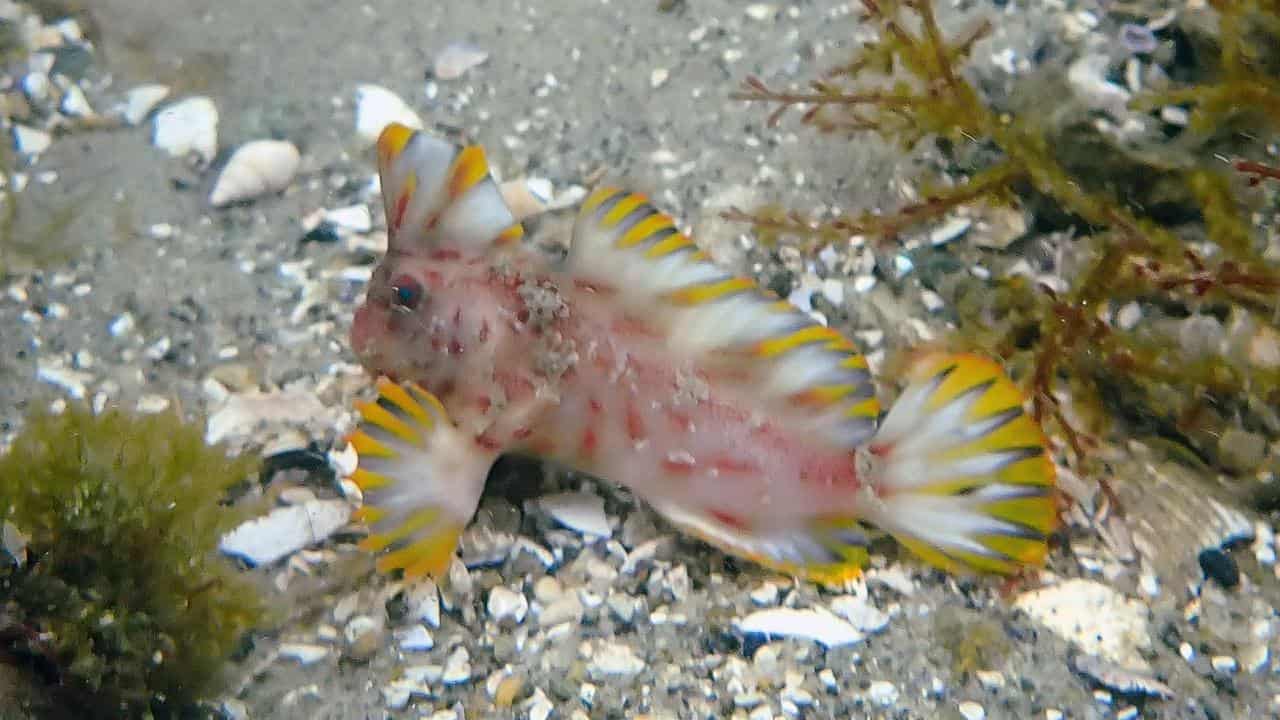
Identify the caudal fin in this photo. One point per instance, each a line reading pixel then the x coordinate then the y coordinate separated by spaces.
pixel 421 478
pixel 961 474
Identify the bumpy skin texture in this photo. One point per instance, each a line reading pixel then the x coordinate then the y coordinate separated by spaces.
pixel 526 358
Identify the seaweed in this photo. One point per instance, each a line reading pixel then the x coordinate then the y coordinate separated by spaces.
pixel 115 596
pixel 1164 220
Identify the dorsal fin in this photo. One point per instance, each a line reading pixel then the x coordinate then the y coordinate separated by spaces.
pixel 438 195
pixel 809 372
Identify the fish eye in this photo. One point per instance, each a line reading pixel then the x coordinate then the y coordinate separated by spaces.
pixel 406 293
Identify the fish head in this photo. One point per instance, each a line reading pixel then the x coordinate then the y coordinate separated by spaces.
pixel 420 315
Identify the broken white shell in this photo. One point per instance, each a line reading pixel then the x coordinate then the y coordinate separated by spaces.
pixel 140 101
pixel 526 197
pixel 814 624
pixel 188 126
pixel 457 58
pixel 257 168
pixel 378 107
pixel 580 511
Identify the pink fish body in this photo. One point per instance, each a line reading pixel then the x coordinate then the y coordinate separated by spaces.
pixel 640 361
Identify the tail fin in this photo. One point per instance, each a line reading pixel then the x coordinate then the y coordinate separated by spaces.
pixel 421 478
pixel 961 473
pixel 438 195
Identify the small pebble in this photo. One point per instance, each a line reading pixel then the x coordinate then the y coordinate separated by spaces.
pixel 539 707
pixel 457 669
pixel 31 141
pixel 364 636
pixel 567 608
pixel 506 604
pixel 303 653
pixel 883 693
pixel 1224 664
pixel 861 613
pixel 415 639
pixel 990 680
pixel 1220 567
pixel 614 660
pixel 1256 658
pixel 970 710
pixel 766 595
pixel 424 602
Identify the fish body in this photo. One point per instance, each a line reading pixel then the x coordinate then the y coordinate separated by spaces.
pixel 640 361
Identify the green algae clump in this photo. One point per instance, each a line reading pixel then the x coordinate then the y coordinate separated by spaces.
pixel 119 601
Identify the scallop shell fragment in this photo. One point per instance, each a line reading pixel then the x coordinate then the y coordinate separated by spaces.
pixel 378 107
pixel 257 168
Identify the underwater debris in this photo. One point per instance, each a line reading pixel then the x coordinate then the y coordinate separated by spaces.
pixel 123 606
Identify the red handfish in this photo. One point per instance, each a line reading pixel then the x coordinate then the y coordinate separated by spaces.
pixel 639 360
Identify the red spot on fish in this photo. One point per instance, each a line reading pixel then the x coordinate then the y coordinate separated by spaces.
pixel 595 406
pixel 635 423
pixel 443 253
pixel 455 347
pixel 484 403
pixel 633 327
pixel 732 521
pixel 521 433
pixel 731 465
pixel 488 443
pixel 484 331
pixel 829 470
pixel 522 315
pixel 680 420
pixel 397 218
pixel 589 443
pixel 593 287
pixel 727 376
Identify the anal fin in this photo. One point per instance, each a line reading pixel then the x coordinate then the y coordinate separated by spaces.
pixel 828 550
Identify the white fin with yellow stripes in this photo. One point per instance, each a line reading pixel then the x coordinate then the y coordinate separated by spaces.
pixel 437 195
pixel 810 376
pixel 421 479
pixel 958 472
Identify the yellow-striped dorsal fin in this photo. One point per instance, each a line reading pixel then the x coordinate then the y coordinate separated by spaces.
pixel 437 195
pixel 621 240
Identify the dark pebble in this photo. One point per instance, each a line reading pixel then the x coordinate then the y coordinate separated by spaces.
pixel 1220 567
